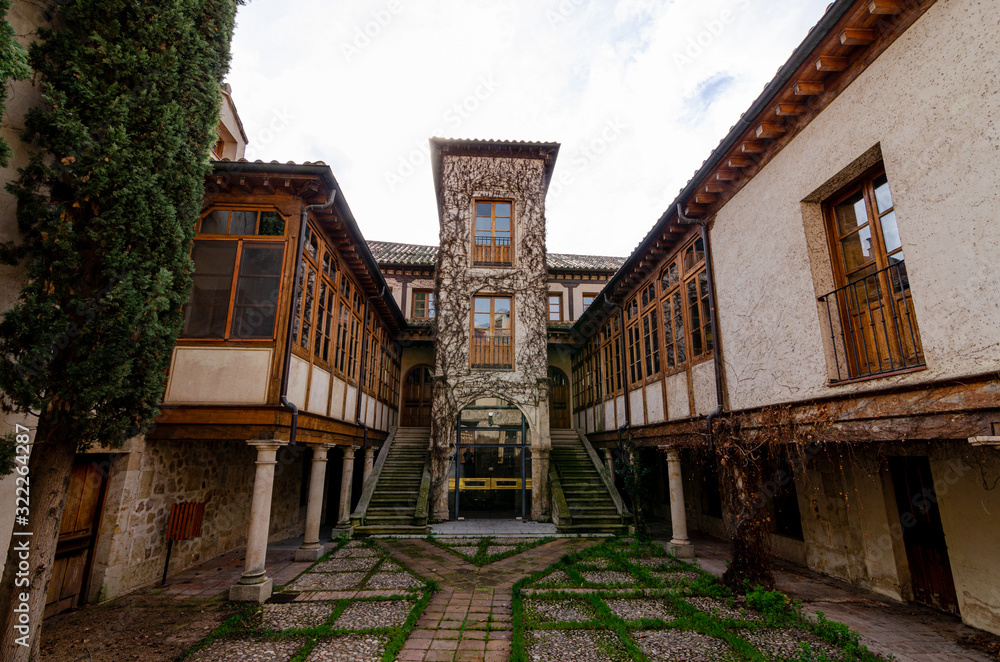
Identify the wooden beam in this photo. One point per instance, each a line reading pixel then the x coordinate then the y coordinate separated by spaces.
pixel 245 184
pixel 693 209
pixel 857 36
pixel 267 185
pixel 831 63
pixel 886 7
pixel 740 161
pixel 809 88
pixel 714 187
pixel 726 174
pixel 753 147
pixel 789 109
pixel 770 130
pixel 705 198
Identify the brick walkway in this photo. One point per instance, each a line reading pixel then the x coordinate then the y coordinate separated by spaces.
pixel 469 619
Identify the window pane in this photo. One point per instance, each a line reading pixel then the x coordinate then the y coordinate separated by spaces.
pixel 206 312
pixel 851 214
pixel 503 209
pixel 890 233
pixel 482 304
pixel 257 287
pixel 243 222
pixel 679 328
pixel 483 224
pixel 431 304
pixel 312 246
pixel 307 308
pixel 481 320
pixel 271 224
pixel 216 222
pixel 694 314
pixel 883 198
pixel 857 249
pixel 503 225
pixel 483 209
pixel 501 305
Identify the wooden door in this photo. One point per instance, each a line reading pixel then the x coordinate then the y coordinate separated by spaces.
pixel 559 414
pixel 81 521
pixel 923 535
pixel 417 398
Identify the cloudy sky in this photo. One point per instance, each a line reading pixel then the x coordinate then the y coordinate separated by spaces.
pixel 638 92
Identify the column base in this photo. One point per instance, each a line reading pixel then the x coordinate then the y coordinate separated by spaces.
pixel 681 550
pixel 252 592
pixel 309 554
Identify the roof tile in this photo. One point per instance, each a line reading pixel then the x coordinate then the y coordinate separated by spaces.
pixel 389 252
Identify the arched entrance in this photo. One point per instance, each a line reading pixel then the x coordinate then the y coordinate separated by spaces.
pixel 490 473
pixel 559 414
pixel 417 397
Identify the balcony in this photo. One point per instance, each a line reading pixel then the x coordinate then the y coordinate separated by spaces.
pixel 494 351
pixel 873 327
pixel 491 251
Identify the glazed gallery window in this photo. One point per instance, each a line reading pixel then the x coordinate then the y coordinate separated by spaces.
pixel 873 300
pixel 491 244
pixel 491 342
pixel 423 304
pixel 684 304
pixel 555 307
pixel 237 276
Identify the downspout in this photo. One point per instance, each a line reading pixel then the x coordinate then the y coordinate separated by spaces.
pixel 717 337
pixel 361 372
pixel 286 368
pixel 623 369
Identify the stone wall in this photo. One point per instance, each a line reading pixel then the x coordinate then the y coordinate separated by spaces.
pixel 148 478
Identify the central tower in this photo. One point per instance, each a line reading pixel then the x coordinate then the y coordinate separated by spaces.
pixel 491 285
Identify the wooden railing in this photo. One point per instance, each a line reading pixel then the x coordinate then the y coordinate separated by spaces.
pixel 490 251
pixel 492 351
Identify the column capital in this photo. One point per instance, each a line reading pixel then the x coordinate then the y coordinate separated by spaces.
pixel 349 451
pixel 267 444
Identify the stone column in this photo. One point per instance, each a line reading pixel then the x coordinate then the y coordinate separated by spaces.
pixel 541 445
pixel 679 544
pixel 609 460
pixel 311 550
pixel 254 585
pixel 346 485
pixel 369 463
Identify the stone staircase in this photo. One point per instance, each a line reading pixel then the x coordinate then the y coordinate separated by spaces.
pixel 592 508
pixel 398 503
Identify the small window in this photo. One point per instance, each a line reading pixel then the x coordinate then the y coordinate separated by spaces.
pixel 242 222
pixel 423 304
pixel 588 300
pixel 492 238
pixel 491 339
pixel 555 308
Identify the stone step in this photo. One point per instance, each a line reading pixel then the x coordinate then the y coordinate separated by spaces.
pixel 377 530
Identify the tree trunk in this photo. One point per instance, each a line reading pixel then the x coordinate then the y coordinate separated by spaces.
pixel 751 557
pixel 30 557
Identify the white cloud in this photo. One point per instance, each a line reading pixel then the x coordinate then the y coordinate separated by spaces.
pixel 637 91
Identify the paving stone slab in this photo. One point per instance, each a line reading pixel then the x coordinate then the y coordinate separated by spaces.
pixel 389 566
pixel 495 550
pixel 365 614
pixel 355 552
pixel 682 645
pixel 575 645
pixel 608 577
pixel 682 578
pixel 557 578
pixel 723 610
pixel 349 648
pixel 247 650
pixel 295 615
pixel 393 580
pixel 786 643
pixel 634 609
pixel 326 581
pixel 564 610
pixel 465 550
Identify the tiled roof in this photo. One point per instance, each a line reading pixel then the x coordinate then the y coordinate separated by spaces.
pixel 389 252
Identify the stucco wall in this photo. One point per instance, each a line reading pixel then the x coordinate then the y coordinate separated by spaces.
pixel 932 101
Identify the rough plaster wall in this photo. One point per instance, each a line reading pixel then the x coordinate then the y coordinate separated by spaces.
pixel 147 481
pixel 970 514
pixel 464 178
pixel 938 127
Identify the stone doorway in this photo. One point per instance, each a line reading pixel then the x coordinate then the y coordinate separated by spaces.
pixel 559 411
pixel 417 397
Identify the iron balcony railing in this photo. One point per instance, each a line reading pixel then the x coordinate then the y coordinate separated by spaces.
pixel 491 251
pixel 873 327
pixel 492 351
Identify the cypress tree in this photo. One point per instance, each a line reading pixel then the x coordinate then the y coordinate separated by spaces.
pixel 107 208
pixel 13 66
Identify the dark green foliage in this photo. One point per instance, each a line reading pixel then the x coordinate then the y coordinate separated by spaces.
pixel 7 454
pixel 13 66
pixel 107 209
pixel 773 605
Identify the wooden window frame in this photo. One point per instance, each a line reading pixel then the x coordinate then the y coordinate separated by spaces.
pixel 685 268
pixel 559 301
pixel 877 267
pixel 585 304
pixel 478 249
pixel 510 333
pixel 240 240
pixel 258 209
pixel 430 305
